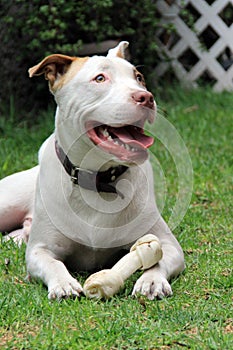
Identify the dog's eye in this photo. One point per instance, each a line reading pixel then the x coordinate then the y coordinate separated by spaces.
pixel 100 78
pixel 140 78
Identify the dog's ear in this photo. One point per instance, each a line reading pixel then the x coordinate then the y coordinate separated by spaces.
pixel 52 67
pixel 119 50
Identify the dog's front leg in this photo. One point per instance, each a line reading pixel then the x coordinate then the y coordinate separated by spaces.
pixel 154 281
pixel 42 263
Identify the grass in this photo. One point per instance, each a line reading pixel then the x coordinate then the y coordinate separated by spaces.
pixel 199 314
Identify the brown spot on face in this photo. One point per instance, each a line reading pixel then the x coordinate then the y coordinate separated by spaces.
pixel 71 72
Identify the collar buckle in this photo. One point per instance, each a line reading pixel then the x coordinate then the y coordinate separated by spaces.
pixel 75 172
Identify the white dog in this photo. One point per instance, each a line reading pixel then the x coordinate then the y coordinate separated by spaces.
pixel 94 194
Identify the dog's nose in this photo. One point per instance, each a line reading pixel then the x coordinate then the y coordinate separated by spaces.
pixel 144 98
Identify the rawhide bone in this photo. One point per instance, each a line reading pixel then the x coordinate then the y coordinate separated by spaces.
pixel 145 253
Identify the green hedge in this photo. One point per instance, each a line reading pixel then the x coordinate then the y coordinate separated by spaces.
pixel 32 29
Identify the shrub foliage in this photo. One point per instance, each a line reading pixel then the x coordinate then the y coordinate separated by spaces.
pixel 32 29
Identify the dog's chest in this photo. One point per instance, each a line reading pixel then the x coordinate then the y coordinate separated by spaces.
pixel 93 219
pixel 89 219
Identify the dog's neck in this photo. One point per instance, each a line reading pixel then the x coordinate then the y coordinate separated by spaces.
pixel 97 181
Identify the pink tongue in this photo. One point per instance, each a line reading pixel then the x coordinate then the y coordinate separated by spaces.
pixel 131 135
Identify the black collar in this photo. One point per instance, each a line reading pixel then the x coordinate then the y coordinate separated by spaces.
pixel 98 181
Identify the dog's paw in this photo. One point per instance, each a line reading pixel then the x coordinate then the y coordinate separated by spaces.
pixel 70 288
pixel 153 285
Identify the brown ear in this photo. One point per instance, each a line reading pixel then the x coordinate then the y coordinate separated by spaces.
pixel 52 67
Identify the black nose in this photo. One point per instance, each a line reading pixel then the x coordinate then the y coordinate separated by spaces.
pixel 144 98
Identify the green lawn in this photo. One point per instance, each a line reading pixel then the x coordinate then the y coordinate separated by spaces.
pixel 199 314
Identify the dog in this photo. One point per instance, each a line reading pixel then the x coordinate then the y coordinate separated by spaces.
pixel 92 195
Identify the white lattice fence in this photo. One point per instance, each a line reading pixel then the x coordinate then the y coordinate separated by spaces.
pixel 203 51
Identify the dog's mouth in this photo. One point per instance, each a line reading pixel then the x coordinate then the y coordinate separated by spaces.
pixel 128 142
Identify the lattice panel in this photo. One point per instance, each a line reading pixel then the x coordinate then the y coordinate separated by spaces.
pixel 201 49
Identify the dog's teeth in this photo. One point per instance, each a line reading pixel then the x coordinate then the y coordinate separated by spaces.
pixel 127 147
pixel 105 133
pixel 133 149
pixel 109 138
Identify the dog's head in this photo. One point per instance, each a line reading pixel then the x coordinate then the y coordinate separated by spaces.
pixel 102 101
